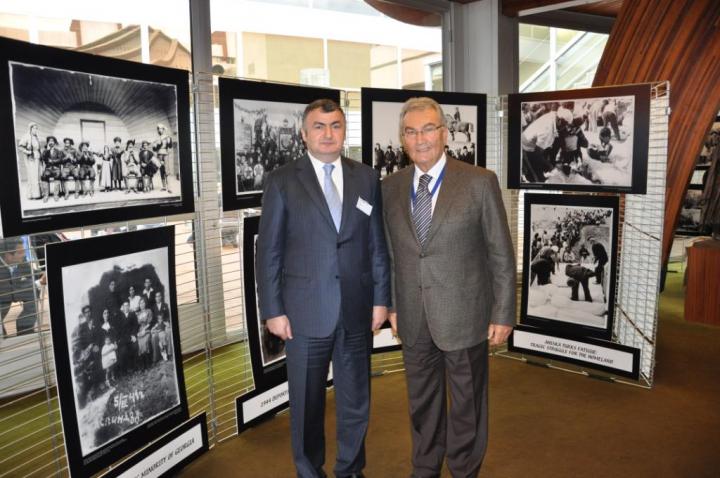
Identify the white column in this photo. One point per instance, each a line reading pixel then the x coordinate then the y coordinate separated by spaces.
pixel 480 49
pixel 145 42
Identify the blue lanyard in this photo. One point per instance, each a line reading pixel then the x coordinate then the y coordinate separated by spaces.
pixel 413 194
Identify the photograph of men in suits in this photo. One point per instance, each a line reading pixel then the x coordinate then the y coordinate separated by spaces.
pixel 454 290
pixel 323 283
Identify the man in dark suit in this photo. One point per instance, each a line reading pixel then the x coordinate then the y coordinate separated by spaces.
pixel 601 258
pixel 127 325
pixel 323 283
pixel 454 290
pixel 17 285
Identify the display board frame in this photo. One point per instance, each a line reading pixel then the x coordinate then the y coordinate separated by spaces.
pixel 266 373
pixel 93 83
pixel 82 392
pixel 567 206
pixel 393 100
pixel 260 98
pixel 520 166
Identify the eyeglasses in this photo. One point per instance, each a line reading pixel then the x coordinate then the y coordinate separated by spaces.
pixel 428 130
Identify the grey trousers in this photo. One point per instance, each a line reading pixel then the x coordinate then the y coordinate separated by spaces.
pixel 459 434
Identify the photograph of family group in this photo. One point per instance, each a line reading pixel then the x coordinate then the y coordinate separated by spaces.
pixel 116 338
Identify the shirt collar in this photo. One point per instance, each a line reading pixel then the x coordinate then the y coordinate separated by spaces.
pixel 318 165
pixel 434 171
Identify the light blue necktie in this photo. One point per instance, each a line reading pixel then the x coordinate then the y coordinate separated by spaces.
pixel 331 196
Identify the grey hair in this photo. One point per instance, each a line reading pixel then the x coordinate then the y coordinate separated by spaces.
pixel 420 104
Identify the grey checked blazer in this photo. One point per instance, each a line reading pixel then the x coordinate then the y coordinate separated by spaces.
pixel 463 279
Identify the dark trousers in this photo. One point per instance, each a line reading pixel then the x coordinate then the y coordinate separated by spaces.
pixel 600 273
pixel 25 323
pixel 308 360
pixel 461 433
pixel 535 165
pixel 586 290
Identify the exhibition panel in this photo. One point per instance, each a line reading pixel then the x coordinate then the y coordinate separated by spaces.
pixel 259 132
pixel 116 343
pixel 465 115
pixel 98 139
pixel 591 263
pixel 594 139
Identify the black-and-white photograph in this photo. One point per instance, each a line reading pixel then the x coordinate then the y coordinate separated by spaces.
pixel 272 347
pixel 267 136
pixel 92 141
pixel 115 338
pixel 267 351
pixel 464 115
pixel 689 222
pixel 260 127
pixel 388 153
pixel 87 143
pixel 569 262
pixel 575 141
pixel 712 140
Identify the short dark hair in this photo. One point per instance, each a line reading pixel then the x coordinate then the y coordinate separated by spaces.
pixel 325 104
pixel 117 139
pixel 84 308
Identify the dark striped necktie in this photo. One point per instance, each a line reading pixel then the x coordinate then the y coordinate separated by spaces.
pixel 422 210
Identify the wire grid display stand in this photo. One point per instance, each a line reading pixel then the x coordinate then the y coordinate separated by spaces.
pixel 640 248
pixel 209 296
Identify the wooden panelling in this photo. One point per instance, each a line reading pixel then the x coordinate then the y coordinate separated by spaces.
pixel 679 41
pixel 702 300
pixel 605 8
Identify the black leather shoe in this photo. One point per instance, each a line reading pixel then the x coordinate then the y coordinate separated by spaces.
pixel 352 475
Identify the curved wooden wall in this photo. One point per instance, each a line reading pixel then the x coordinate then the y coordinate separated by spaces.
pixel 679 41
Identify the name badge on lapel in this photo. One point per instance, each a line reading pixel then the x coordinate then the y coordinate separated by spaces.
pixel 364 206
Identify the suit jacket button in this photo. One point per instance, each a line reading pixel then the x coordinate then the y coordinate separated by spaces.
pixel 337 277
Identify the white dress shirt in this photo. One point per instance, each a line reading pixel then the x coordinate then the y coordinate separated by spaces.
pixel 435 174
pixel 337 176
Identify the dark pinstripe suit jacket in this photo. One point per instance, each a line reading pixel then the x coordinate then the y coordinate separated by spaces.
pixel 305 268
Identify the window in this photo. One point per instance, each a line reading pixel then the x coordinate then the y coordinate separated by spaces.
pixel 156 32
pixel 557 58
pixel 342 44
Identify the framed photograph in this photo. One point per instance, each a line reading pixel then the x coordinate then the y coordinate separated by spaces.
pixel 569 263
pixel 689 223
pixel 697 180
pixel 594 139
pixel 465 115
pixel 712 140
pixel 259 132
pixel 116 344
pixel 89 139
pixel 267 351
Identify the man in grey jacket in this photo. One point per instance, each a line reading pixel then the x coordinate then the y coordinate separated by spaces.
pixel 454 290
